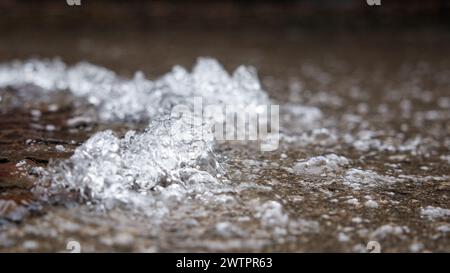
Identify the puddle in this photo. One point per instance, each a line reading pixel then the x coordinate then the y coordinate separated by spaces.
pixel 87 154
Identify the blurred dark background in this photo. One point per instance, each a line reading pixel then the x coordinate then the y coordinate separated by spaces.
pixel 225 13
pixel 277 37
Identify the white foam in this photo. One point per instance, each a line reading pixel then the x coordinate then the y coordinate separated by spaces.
pixel 389 230
pixel 357 179
pixel 432 213
pixel 371 204
pixel 327 164
pixel 446 158
pixel 272 215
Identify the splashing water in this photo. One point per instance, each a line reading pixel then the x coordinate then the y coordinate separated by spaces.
pixel 139 98
pixel 174 156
